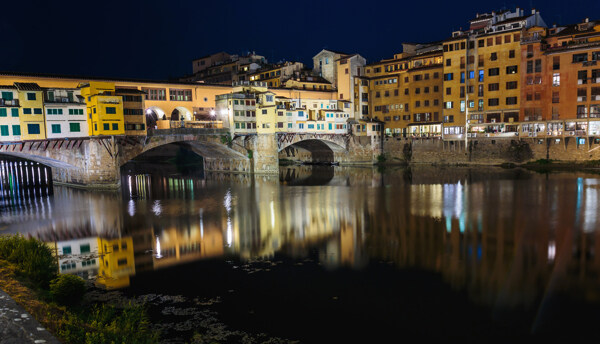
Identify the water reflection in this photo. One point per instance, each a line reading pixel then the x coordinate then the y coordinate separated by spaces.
pixel 506 237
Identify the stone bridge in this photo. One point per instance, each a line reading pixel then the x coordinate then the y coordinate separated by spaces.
pixel 333 148
pixel 95 162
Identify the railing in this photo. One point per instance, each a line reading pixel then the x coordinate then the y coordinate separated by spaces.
pixel 64 100
pixel 6 102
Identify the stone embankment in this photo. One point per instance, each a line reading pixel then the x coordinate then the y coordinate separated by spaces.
pixel 490 151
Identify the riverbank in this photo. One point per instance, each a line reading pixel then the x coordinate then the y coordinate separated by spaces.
pixel 28 275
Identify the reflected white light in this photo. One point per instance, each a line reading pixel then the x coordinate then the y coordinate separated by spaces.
pixel 227 201
pixel 129 178
pixel 158 255
pixel 201 224
pixel 229 232
pixel 272 215
pixel 212 112
pixel 156 208
pixel 551 251
pixel 131 208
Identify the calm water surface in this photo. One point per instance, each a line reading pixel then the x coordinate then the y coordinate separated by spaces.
pixel 332 254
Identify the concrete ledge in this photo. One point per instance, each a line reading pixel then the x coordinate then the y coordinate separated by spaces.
pixel 17 326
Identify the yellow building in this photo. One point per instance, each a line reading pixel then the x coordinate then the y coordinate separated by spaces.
pixel 31 98
pixel 104 107
pixel 117 262
pixel 405 92
pixel 10 126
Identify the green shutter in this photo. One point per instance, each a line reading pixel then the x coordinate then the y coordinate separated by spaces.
pixel 2 112
pixel 16 130
pixel 7 95
pixel 74 127
pixel 4 130
pixel 115 126
pixel 106 126
pixel 55 128
pixel 15 112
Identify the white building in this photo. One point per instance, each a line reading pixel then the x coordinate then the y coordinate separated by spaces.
pixel 78 256
pixel 65 113
pixel 10 127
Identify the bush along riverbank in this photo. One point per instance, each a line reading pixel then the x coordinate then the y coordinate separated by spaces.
pixel 28 273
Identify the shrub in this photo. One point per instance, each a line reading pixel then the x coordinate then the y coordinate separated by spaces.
pixel 32 258
pixel 67 289
pixel 381 158
pixel 111 325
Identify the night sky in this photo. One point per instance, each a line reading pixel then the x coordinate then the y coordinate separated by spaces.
pixel 158 39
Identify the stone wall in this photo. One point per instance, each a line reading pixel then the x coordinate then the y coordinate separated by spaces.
pixel 489 151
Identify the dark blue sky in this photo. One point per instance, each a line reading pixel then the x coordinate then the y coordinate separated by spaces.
pixel 158 39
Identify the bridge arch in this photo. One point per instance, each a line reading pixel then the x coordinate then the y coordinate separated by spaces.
pixel 217 156
pixel 314 150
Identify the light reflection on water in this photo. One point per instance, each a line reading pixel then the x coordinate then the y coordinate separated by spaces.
pixel 500 235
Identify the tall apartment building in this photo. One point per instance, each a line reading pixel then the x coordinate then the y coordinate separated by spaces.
pixel 561 81
pixel 404 92
pixel 482 74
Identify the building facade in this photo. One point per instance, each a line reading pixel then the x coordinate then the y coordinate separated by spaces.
pixel 104 108
pixel 31 116
pixel 66 113
pixel 10 124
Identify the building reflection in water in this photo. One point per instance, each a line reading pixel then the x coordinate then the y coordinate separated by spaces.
pixel 506 237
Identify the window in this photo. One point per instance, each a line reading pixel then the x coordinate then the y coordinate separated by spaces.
pixel 155 93
pixel 449 119
pixel 556 62
pixel 581 111
pixel 511 69
pixel 106 126
pixel 448 62
pixel 493 102
pixel 122 261
pixel 16 129
pixel 3 112
pixel 31 96
pixel 448 105
pixel 111 110
pixel 511 53
pixel 511 100
pixel 447 76
pixel 580 57
pixel 14 112
pixel 556 79
pixel 38 111
pixel 55 128
pixel 538 66
pixel 33 129
pixel 511 85
pixel 27 111
pixel 55 111
pixel 494 56
pixel 4 130
pixel 481 43
pixel 472 74
pixel 582 94
pixel 76 112
pixel 448 91
pixel 480 105
pixel 74 127
pixel 462 77
pixel 480 91
pixel 493 87
pixel 493 71
pixel 529 69
pixel 462 106
pixel 555 97
pixel 582 77
pixel 66 249
pixel 85 248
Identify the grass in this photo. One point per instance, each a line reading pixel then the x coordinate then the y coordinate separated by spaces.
pixel 24 275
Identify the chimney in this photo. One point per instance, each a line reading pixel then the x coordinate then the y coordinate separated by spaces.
pixel 587 19
pixel 533 11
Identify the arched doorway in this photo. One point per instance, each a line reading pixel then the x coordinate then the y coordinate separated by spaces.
pixel 154 114
pixel 180 113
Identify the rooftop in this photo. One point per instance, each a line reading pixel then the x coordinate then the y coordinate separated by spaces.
pixel 27 86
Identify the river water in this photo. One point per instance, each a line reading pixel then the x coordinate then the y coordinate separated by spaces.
pixel 331 254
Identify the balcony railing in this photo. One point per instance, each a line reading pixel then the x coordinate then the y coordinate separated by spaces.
pixel 64 100
pixel 6 102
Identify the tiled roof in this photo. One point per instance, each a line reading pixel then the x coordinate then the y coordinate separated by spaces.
pixel 27 86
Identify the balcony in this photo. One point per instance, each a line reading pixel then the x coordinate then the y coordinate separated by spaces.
pixel 64 100
pixel 589 63
pixel 6 102
pixel 581 81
